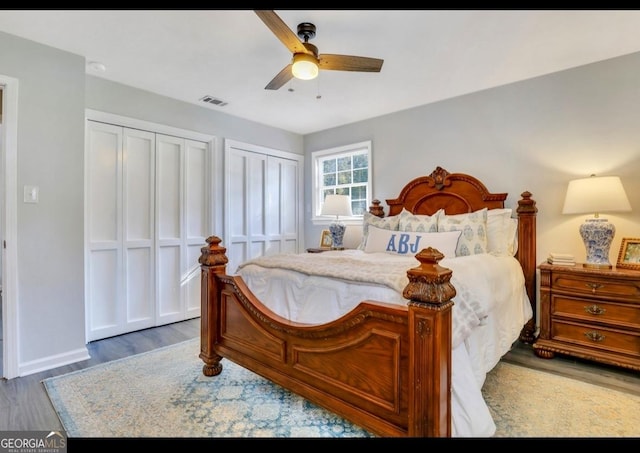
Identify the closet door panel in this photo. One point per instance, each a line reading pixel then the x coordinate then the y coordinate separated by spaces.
pixel 197 212
pixel 139 190
pixel 168 196
pixel 192 279
pixel 169 297
pixel 139 288
pixel 103 314
pixel 104 181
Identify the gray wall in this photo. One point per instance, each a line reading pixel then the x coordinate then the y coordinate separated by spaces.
pixel 53 94
pixel 533 135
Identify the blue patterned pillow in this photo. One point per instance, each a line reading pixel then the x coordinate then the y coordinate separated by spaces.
pixel 419 223
pixel 473 225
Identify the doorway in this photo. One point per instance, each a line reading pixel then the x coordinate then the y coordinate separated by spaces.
pixel 8 226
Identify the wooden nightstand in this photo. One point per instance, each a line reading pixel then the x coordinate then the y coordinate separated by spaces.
pixel 317 250
pixel 592 314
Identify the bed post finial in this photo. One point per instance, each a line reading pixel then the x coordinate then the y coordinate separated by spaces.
pixel 429 282
pixel 213 254
pixel 376 209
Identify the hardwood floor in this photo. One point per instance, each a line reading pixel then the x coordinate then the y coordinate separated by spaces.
pixel 24 404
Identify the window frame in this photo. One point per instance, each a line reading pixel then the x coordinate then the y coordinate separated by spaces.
pixel 316 202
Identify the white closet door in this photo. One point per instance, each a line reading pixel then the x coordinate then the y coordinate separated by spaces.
pixel 138 225
pixel 262 202
pixel 104 232
pixel 282 201
pixel 197 164
pixel 169 227
pixel 120 230
pixel 182 228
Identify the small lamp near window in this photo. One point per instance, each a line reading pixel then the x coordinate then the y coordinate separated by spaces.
pixel 337 205
pixel 596 195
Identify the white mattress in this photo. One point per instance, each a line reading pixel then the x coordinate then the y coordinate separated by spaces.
pixel 319 299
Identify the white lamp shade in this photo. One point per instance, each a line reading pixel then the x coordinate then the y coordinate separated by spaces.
pixel 595 195
pixel 337 205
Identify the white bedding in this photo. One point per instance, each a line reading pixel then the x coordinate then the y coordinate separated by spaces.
pixel 490 308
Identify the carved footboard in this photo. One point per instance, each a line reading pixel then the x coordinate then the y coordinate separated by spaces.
pixel 387 368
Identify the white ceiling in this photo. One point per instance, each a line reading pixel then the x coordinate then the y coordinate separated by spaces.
pixel 429 55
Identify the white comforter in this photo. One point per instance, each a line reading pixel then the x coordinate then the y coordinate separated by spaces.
pixel 490 308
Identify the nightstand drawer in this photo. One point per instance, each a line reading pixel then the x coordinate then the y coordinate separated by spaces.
pixel 597 286
pixel 597 337
pixel 590 310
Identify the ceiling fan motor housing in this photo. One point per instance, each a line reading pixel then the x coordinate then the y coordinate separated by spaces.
pixel 306 31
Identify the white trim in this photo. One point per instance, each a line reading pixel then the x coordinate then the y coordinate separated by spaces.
pixel 134 123
pixel 315 200
pixel 54 361
pixel 10 300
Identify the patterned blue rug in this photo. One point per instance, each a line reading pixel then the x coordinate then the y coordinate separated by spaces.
pixel 163 393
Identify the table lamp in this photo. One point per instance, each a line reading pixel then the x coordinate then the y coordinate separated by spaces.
pixel 337 205
pixel 596 195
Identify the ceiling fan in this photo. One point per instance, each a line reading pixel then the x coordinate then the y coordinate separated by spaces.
pixel 306 61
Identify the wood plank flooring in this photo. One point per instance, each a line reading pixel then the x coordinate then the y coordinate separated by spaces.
pixel 24 404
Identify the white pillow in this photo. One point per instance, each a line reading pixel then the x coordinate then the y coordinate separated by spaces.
pixel 473 225
pixel 499 232
pixel 419 222
pixel 386 223
pixel 410 243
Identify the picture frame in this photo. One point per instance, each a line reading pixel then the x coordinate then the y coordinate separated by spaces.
pixel 629 255
pixel 326 241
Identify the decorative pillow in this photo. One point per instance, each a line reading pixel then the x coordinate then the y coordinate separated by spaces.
pixel 386 223
pixel 499 232
pixel 473 225
pixel 410 243
pixel 420 222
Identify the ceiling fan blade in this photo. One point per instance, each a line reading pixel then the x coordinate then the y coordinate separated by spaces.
pixel 282 31
pixel 283 77
pixel 350 63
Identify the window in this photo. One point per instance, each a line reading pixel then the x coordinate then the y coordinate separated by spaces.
pixel 344 171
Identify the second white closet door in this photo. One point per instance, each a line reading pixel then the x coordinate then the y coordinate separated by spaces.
pixel 181 225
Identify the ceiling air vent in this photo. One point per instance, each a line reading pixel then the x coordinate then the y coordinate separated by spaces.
pixel 214 101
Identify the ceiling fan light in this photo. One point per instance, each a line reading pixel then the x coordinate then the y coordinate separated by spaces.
pixel 305 66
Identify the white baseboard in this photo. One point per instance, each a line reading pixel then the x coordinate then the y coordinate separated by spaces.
pixel 55 361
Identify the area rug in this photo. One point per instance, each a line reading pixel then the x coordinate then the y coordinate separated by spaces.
pixel 163 393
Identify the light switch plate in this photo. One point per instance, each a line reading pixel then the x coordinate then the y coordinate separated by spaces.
pixel 31 194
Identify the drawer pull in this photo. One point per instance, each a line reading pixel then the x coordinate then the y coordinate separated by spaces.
pixel 594 336
pixel 595 310
pixel 594 286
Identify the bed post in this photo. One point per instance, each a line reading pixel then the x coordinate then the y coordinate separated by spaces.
pixel 430 338
pixel 212 261
pixel 527 257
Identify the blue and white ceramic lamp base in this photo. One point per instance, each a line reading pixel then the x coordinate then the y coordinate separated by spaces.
pixel 597 235
pixel 337 235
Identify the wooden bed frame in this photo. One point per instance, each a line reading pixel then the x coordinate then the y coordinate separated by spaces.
pixel 386 368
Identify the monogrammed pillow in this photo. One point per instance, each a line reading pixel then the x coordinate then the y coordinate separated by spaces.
pixel 410 243
pixel 386 223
